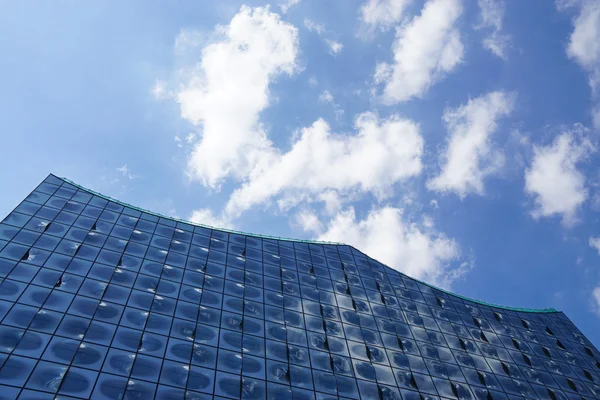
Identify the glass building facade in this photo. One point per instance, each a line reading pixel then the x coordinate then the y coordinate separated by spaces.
pixel 102 300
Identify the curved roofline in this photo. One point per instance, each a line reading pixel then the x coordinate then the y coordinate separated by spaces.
pixel 509 308
pixel 190 222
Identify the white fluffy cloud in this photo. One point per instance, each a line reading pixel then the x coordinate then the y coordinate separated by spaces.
pixel 425 50
pixel 225 99
pixel 584 46
pixel 584 43
pixel 383 13
pixel 557 186
pixel 469 156
pixel 384 234
pixel 491 14
pixel 309 221
pixel 205 216
pixel 380 154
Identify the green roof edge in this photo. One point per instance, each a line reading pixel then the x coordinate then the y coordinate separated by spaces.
pixel 481 302
pixel 528 310
pixel 193 223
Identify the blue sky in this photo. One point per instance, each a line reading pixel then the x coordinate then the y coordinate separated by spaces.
pixel 456 141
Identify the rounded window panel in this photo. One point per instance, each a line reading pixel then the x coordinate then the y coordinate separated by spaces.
pixel 78 382
pixel 89 356
pixel 9 338
pixel 47 377
pixel 201 379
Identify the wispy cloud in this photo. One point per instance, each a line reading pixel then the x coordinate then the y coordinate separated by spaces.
pixel 312 26
pixel 594 242
pixel 334 46
pixel 584 46
pixel 596 300
pixel 160 90
pixel 491 15
pixel 286 5
pixel 126 172
pixel 383 13
pixel 327 98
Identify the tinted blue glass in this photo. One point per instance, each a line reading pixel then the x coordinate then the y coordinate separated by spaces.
pixel 101 300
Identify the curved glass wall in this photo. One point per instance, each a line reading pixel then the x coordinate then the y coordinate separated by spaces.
pixel 102 300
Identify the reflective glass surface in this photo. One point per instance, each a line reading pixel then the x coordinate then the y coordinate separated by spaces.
pixel 102 300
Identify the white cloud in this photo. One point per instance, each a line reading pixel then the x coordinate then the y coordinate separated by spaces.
pixel 491 14
pixel 584 46
pixel 595 201
pixel 226 100
pixel 385 234
pixel 584 43
pixel 178 141
pixel 309 221
pixel 334 47
pixel 380 154
pixel 596 300
pixel 562 5
pixel 595 243
pixel 469 156
pixel 126 172
pixel 596 117
pixel 191 137
pixel 332 200
pixel 326 97
pixel 312 26
pixel 285 6
pixel 383 13
pixel 312 81
pixel 205 216
pixel 553 179
pixel 425 50
pixel 159 90
pixel 172 212
pixel 188 40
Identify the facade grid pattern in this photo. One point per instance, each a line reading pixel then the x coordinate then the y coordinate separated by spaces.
pixel 106 301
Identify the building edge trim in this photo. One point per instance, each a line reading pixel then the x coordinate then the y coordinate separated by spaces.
pixel 472 300
pixel 258 235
